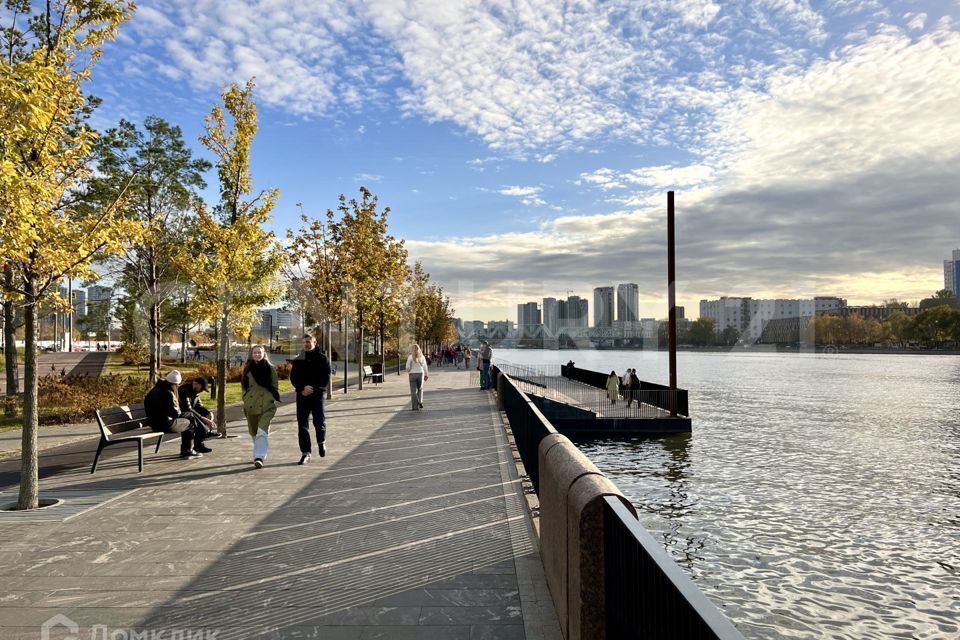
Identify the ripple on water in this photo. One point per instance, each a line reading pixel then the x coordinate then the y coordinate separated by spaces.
pixel 817 497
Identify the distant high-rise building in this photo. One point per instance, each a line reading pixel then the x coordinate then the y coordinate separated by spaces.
pixel 628 302
pixel 951 273
pixel 99 300
pixel 573 312
pixel 79 301
pixel 528 315
pixel 681 312
pixel 550 314
pixel 603 307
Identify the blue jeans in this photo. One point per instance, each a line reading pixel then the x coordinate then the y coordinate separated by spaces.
pixel 486 374
pixel 308 406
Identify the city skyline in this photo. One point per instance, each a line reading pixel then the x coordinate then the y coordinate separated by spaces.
pixel 548 173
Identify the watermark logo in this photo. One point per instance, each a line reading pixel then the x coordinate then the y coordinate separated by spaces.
pixel 51 630
pixel 56 622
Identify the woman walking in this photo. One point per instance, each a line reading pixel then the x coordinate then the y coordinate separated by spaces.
pixel 417 373
pixel 260 396
pixel 613 387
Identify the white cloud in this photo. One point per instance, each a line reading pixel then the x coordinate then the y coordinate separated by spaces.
pixel 519 191
pixel 915 21
pixel 367 177
pixel 839 180
pixel 529 79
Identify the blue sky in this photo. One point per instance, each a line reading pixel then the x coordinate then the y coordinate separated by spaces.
pixel 525 146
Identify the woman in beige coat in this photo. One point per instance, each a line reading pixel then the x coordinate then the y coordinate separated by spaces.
pixel 259 381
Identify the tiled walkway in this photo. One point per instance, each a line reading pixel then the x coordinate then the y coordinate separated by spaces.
pixel 413 526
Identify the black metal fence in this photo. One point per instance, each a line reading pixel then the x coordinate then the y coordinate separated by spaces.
pixel 646 594
pixel 662 395
pixel 528 424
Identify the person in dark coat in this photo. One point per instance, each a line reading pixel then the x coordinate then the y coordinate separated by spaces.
pixel 189 396
pixel 163 414
pixel 310 375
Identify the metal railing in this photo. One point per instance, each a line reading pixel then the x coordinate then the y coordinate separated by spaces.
pixel 659 395
pixel 646 594
pixel 549 381
pixel 528 424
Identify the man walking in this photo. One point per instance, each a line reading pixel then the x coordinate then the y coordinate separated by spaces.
pixel 310 375
pixel 486 353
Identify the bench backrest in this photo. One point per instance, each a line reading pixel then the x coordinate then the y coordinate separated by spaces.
pixel 367 370
pixel 116 420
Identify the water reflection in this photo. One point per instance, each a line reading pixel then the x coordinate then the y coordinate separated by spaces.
pixel 654 473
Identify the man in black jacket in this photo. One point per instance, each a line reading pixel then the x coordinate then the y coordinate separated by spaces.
pixel 163 414
pixel 310 375
pixel 189 395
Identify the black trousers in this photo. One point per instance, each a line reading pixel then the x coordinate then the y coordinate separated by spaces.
pixel 307 407
pixel 191 433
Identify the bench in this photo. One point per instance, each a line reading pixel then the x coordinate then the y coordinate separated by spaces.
pixel 124 424
pixel 370 374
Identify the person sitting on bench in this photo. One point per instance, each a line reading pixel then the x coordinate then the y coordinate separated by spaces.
pixel 163 414
pixel 189 395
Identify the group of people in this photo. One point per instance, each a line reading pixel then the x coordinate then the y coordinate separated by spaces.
pixel 628 386
pixel 174 408
pixel 458 356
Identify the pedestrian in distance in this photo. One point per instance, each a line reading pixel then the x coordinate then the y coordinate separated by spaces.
pixel 485 356
pixel 613 387
pixel 259 382
pixel 467 357
pixel 163 414
pixel 417 374
pixel 634 387
pixel 459 357
pixel 310 375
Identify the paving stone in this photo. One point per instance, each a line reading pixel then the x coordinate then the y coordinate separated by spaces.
pixel 413 526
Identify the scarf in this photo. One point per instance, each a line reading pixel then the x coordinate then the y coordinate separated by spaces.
pixel 262 376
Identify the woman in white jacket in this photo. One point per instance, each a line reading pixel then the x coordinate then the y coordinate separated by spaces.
pixel 417 373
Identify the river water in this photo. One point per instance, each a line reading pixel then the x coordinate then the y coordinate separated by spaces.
pixel 818 496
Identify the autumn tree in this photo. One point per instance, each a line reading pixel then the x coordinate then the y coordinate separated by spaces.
pixel 313 274
pixel 370 260
pixel 235 267
pixel 163 178
pixel 45 157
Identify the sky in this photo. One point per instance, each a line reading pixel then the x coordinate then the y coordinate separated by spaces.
pixel 525 147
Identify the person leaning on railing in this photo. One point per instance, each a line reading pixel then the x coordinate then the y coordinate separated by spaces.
pixel 485 356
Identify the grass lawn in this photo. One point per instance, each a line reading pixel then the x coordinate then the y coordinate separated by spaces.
pixel 115 366
pixel 234 393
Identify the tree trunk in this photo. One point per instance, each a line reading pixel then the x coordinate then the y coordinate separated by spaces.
pixel 383 350
pixel 329 340
pixel 183 344
pixel 223 351
pixel 152 322
pixel 29 464
pixel 10 351
pixel 360 354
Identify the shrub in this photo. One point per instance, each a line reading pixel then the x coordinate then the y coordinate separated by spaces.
pixel 75 398
pixel 283 370
pixel 207 370
pixel 134 354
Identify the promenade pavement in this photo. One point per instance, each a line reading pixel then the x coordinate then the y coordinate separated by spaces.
pixel 413 526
